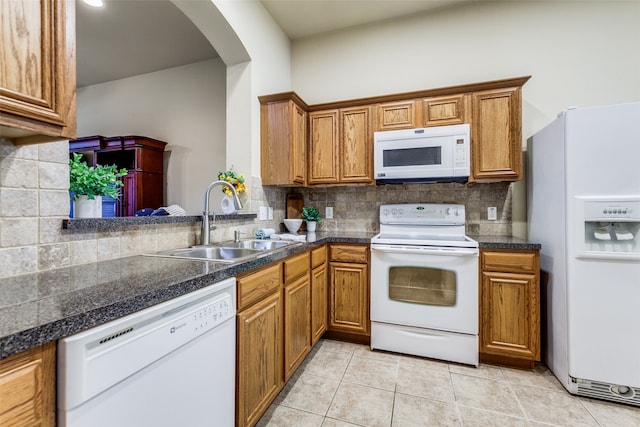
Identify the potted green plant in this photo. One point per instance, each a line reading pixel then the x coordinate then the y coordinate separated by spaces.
pixel 311 216
pixel 87 185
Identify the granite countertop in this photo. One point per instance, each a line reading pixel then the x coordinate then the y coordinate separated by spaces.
pixel 49 305
pixel 504 242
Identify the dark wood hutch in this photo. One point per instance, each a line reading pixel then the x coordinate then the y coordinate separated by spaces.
pixel 140 155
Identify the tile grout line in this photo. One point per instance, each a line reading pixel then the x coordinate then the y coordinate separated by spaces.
pixel 339 384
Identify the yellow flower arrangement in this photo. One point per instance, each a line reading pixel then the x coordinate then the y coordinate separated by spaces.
pixel 235 179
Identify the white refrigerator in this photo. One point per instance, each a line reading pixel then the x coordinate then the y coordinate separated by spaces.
pixel 583 197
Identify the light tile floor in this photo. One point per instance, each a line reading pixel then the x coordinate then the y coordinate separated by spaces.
pixel 341 384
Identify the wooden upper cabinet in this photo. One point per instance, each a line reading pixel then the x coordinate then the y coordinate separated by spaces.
pixel 37 70
pixel 446 110
pixel 397 115
pixel 323 147
pixel 356 145
pixel 283 136
pixel 341 146
pixel 339 141
pixel 496 135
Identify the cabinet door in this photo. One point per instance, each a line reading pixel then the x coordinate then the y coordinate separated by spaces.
pixel 298 166
pixel 446 110
pixel 318 302
pixel 396 115
pixel 323 147
pixel 356 145
pixel 28 386
pixel 349 298
pixel 259 359
pixel 496 141
pixel 283 139
pixel 297 323
pixel 38 70
pixel 509 311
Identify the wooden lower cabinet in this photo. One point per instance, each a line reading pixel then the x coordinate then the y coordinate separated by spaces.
pixel 259 359
pixel 510 307
pixel 27 388
pixel 297 324
pixel 318 302
pixel 349 289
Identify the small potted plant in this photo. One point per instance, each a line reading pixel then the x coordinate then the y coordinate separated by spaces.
pixel 87 185
pixel 311 216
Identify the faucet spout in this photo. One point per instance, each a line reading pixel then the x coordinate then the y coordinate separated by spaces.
pixel 205 237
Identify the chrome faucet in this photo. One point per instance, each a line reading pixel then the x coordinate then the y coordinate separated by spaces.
pixel 205 230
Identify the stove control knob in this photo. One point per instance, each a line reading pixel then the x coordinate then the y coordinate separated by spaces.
pixel 385 212
pixel 400 211
pixel 456 212
pixel 393 212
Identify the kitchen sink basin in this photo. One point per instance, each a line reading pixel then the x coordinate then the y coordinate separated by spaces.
pixel 230 251
pixel 259 245
pixel 211 253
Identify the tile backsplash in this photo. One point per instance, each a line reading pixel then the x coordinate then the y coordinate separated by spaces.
pixel 356 208
pixel 34 200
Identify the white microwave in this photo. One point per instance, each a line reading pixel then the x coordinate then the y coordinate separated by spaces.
pixel 439 153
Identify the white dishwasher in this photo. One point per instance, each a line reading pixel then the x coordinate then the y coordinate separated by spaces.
pixel 172 364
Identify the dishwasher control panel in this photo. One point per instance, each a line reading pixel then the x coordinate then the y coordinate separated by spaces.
pixel 211 315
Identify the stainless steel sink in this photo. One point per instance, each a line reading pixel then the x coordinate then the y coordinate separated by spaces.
pixel 230 251
pixel 211 253
pixel 259 245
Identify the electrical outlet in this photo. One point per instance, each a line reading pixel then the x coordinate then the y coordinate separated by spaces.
pixel 492 213
pixel 270 213
pixel 262 213
pixel 328 212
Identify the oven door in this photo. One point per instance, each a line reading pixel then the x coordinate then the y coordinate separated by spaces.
pixel 434 288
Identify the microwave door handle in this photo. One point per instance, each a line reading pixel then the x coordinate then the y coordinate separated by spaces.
pixel 424 251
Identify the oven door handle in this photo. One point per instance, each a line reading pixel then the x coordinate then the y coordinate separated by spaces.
pixel 425 251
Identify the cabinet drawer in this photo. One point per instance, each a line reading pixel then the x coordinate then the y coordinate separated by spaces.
pixel 256 286
pixel 510 261
pixel 348 253
pixel 318 256
pixel 296 266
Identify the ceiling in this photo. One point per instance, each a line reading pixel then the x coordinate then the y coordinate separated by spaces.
pixel 131 37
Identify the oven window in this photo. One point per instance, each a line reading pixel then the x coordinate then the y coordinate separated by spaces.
pixel 422 285
pixel 423 156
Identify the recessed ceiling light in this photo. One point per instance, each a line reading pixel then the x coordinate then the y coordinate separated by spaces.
pixel 94 3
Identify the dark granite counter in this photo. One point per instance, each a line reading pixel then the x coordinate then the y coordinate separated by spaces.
pixel 132 221
pixel 504 242
pixel 41 307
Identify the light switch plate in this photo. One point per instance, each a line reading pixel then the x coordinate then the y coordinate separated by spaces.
pixel 262 213
pixel 328 212
pixel 492 213
pixel 270 213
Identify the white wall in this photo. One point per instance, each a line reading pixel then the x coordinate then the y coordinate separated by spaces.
pixel 577 52
pixel 183 106
pixel 269 71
